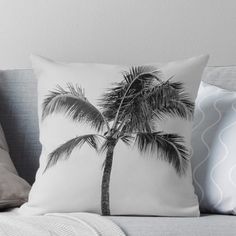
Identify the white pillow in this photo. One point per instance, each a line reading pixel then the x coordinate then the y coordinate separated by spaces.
pixel 151 173
pixel 214 149
pixel 13 189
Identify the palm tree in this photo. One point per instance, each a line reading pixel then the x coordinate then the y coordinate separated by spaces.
pixel 129 111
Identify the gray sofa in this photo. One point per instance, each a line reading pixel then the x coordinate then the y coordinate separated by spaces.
pixel 18 116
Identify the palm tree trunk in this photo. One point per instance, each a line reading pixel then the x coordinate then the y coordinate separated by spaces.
pixel 105 201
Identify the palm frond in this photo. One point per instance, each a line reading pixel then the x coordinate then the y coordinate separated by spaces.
pixel 164 99
pixel 143 72
pixel 171 147
pixel 75 105
pixel 65 150
pixel 170 99
pixel 127 139
pixel 116 102
pixel 141 96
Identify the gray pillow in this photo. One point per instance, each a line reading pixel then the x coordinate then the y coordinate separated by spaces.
pixel 214 149
pixel 13 189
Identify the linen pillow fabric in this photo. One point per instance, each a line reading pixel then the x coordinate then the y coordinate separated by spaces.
pixel 13 189
pixel 115 139
pixel 214 149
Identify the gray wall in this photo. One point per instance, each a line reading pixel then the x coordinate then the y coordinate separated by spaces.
pixel 117 31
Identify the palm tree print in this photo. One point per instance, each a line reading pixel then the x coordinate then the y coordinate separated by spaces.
pixel 129 111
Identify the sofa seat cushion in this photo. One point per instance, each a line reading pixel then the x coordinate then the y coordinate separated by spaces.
pixel 206 225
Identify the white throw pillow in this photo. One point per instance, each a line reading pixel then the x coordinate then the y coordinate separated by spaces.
pixel 214 149
pixel 13 189
pixel 115 139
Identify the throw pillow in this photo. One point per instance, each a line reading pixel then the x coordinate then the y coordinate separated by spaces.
pixel 116 139
pixel 214 149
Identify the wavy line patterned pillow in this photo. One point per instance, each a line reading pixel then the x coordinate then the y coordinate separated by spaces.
pixel 115 139
pixel 214 149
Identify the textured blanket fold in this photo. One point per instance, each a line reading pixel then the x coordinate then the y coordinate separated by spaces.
pixel 68 224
